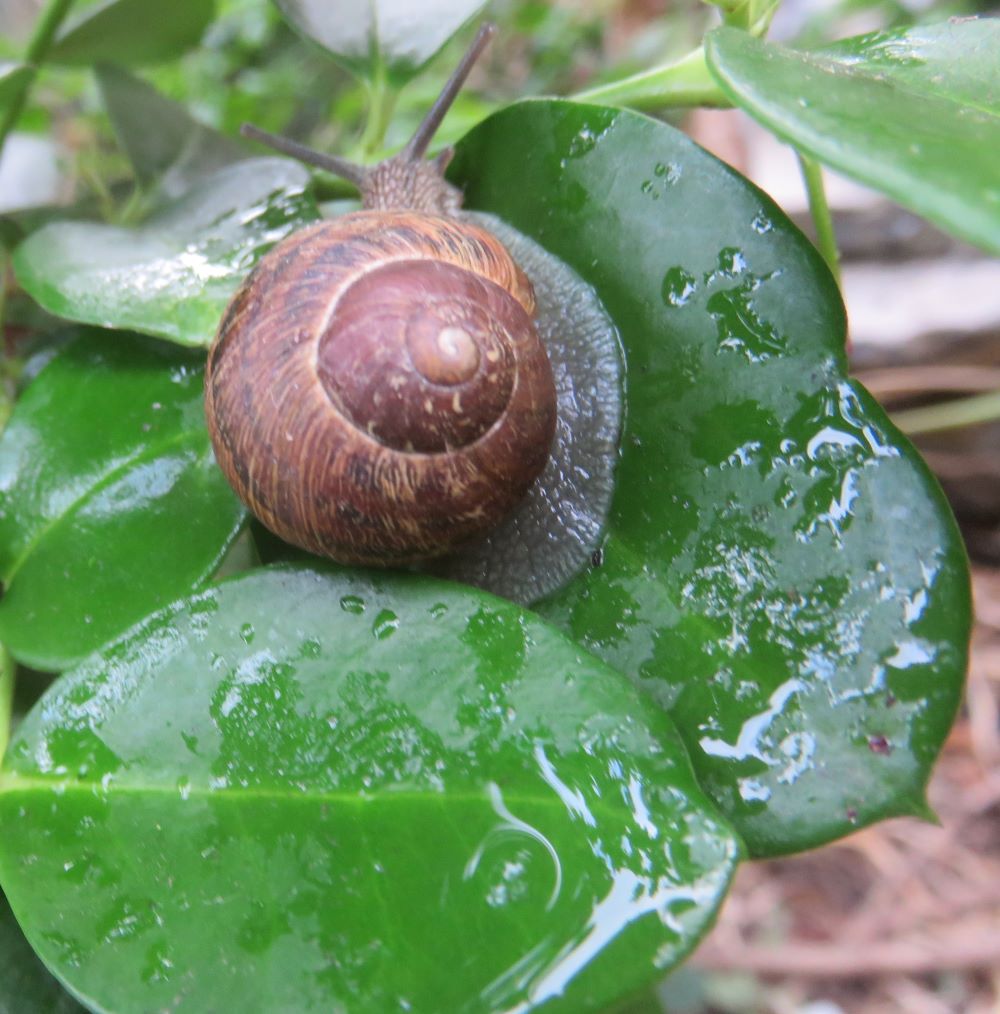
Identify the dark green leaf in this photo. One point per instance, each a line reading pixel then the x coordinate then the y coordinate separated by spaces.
pixel 111 504
pixel 173 275
pixel 314 791
pixel 163 142
pixel 781 570
pixel 132 32
pixel 25 985
pixel 13 77
pixel 381 36
pixel 913 112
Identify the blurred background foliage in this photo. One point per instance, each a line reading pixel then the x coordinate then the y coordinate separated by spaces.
pixel 250 65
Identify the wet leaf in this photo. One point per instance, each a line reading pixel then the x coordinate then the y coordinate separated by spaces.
pixel 111 504
pixel 131 32
pixel 781 570
pixel 393 37
pixel 163 142
pixel 305 790
pixel 173 275
pixel 25 985
pixel 912 112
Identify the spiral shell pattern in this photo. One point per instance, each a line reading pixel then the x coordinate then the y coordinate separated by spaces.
pixel 377 392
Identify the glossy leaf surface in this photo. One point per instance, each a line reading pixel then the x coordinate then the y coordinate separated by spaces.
pixel 131 32
pixel 393 37
pixel 173 275
pixel 178 151
pixel 914 113
pixel 26 987
pixel 781 570
pixel 12 79
pixel 307 790
pixel 111 504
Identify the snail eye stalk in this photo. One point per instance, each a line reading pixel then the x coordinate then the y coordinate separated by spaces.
pixel 424 134
pixel 341 167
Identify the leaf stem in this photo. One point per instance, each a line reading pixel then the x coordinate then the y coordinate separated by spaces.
pixel 979 409
pixel 34 56
pixel 382 102
pixel 826 238
pixel 685 82
pixel 6 697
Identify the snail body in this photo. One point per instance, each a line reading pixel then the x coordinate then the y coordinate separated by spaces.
pixel 378 391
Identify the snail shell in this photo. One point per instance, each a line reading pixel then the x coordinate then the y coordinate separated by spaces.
pixel 377 392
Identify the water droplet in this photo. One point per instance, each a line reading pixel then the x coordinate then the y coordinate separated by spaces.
pixel 247 633
pixel 352 604
pixel 438 610
pixel 310 648
pixel 582 142
pixel 678 287
pixel 761 223
pixel 386 624
pixel 740 328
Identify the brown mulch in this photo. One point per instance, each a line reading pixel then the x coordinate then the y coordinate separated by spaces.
pixel 900 917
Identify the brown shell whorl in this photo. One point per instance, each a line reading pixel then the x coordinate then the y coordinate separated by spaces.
pixel 377 392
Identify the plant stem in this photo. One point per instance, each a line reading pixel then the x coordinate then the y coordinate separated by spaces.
pixel 686 82
pixel 826 238
pixel 34 56
pixel 981 408
pixel 6 697
pixel 381 104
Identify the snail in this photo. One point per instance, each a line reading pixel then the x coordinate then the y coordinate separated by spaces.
pixel 411 384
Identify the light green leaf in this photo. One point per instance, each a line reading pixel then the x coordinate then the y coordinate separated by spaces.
pixel 173 275
pixel 913 112
pixel 396 37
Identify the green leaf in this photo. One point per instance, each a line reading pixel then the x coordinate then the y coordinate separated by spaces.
pixel 781 570
pixel 314 791
pixel 394 37
pixel 913 112
pixel 132 32
pixel 25 985
pixel 111 504
pixel 13 77
pixel 173 275
pixel 179 151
